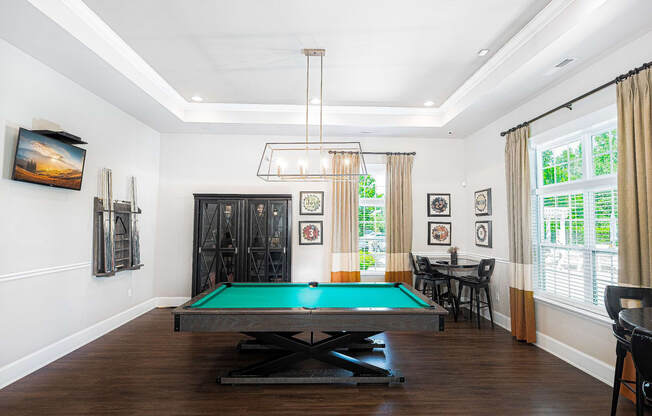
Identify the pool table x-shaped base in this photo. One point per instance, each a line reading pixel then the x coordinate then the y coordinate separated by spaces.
pixel 296 350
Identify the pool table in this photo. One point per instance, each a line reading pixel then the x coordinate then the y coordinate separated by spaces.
pixel 275 313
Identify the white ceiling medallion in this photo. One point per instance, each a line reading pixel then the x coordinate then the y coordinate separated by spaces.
pixel 309 161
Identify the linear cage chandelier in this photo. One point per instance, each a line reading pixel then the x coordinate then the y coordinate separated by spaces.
pixel 312 161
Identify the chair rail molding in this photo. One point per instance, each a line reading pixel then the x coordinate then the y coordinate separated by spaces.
pixel 43 271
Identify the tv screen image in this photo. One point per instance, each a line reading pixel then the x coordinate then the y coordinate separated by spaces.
pixel 47 161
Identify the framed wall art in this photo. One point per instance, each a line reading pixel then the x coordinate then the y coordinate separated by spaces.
pixel 439 233
pixel 439 205
pixel 483 234
pixel 311 203
pixel 310 233
pixel 482 202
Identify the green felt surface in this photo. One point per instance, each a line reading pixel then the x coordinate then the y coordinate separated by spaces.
pixel 297 295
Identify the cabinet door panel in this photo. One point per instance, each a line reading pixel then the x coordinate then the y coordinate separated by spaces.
pixel 277 225
pixel 277 239
pixel 229 217
pixel 257 220
pixel 229 239
pixel 256 240
pixel 207 245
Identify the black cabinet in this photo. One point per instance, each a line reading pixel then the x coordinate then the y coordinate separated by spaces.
pixel 241 238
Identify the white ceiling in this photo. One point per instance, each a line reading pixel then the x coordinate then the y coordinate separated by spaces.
pixel 384 53
pixel 147 57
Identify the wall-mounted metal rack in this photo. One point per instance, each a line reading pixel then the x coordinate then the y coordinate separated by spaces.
pixel 116 240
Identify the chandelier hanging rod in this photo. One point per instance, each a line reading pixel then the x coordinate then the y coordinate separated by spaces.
pixel 321 53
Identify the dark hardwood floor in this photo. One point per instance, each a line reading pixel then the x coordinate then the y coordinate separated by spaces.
pixel 144 368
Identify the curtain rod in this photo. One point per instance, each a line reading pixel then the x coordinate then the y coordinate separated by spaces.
pixel 376 153
pixel 569 104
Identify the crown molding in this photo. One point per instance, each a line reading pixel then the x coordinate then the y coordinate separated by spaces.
pixel 75 17
pixel 451 107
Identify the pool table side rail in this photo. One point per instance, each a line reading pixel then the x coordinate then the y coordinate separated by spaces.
pixel 433 308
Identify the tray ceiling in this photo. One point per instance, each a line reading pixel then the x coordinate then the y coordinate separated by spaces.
pixel 379 53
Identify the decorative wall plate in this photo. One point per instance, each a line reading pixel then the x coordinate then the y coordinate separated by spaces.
pixel 483 234
pixel 311 203
pixel 310 233
pixel 439 233
pixel 482 202
pixel 439 205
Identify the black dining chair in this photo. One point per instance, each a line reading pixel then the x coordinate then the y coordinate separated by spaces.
pixel 476 284
pixel 642 356
pixel 435 279
pixel 613 300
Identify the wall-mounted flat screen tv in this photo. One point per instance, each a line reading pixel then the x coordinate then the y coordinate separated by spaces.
pixel 47 161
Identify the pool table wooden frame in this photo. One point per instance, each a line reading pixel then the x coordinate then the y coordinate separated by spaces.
pixel 277 327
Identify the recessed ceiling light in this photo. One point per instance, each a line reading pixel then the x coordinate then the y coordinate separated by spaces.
pixel 367 132
pixel 315 100
pixel 429 103
pixel 483 52
pixel 197 98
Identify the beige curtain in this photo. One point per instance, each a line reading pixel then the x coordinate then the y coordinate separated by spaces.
pixel 635 179
pixel 345 257
pixel 517 175
pixel 398 218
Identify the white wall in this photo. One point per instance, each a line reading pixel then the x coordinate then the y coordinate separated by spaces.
pixel 47 290
pixel 485 168
pixel 193 163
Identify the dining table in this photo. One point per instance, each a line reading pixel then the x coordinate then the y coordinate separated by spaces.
pixel 636 317
pixel 463 264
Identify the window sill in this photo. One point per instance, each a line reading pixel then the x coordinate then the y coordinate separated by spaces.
pixel 583 313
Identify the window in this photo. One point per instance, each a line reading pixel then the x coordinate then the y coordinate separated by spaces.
pixel 562 163
pixel 605 153
pixel 371 219
pixel 575 213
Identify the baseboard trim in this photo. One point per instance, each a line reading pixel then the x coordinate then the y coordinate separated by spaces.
pixel 171 302
pixel 38 359
pixel 578 359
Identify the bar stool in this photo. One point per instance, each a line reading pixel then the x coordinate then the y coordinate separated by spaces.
pixel 418 274
pixel 475 284
pixel 435 279
pixel 613 297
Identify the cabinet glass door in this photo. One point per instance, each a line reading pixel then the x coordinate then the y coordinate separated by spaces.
pixel 257 241
pixel 207 250
pixel 228 239
pixel 277 241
